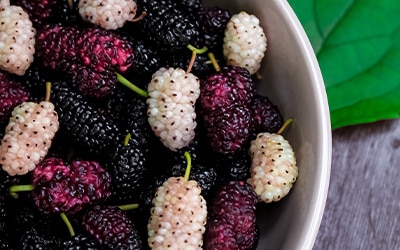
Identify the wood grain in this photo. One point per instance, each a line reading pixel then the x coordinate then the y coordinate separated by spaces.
pixel 363 205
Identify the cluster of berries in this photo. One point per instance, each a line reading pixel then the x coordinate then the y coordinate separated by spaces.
pixel 178 156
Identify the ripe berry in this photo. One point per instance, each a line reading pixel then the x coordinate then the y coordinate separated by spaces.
pixel 231 222
pixel 111 227
pixel 32 229
pixel 228 129
pixel 171 106
pixel 4 230
pixel 68 188
pixel 12 93
pixel 28 137
pixel 178 215
pixel 165 25
pixel 34 80
pixel 108 14
pixel 83 122
pixel 273 168
pixel 190 6
pixel 136 122
pixel 66 12
pixel 234 166
pixel 212 23
pixel 17 39
pixel 266 116
pixel 148 59
pixel 245 42
pixel 126 167
pixel 231 85
pixel 79 242
pixel 89 56
pixel 39 11
pixel 225 99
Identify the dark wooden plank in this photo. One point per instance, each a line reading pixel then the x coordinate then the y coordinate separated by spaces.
pixel 363 205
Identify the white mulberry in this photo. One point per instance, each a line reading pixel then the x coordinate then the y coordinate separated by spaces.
pixel 108 14
pixel 273 166
pixel 178 216
pixel 245 42
pixel 28 136
pixel 171 106
pixel 17 39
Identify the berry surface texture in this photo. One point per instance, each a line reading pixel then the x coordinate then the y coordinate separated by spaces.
pixel 136 124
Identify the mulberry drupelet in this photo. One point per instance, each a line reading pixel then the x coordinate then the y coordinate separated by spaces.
pixel 17 38
pixel 171 106
pixel 245 42
pixel 28 136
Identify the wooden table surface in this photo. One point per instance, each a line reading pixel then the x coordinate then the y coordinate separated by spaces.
pixel 363 206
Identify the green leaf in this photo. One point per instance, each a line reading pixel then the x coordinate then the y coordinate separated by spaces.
pixel 357 44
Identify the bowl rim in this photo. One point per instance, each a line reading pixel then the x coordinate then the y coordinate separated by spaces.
pixel 322 185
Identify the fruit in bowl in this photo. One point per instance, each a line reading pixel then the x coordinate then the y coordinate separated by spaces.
pixel 179 107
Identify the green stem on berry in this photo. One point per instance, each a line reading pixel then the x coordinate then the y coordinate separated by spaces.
pixel 188 165
pixel 214 61
pixel 284 126
pixel 128 207
pixel 131 86
pixel 195 51
pixel 48 91
pixel 20 188
pixel 198 51
pixel 68 223
pixel 127 138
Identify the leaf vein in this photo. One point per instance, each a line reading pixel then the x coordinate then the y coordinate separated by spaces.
pixel 336 24
pixel 364 71
pixel 361 39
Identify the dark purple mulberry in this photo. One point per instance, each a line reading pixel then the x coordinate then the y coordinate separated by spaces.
pixel 39 11
pixel 35 79
pixel 32 229
pixel 55 47
pixel 231 220
pixel 126 167
pixel 12 93
pixel 79 242
pixel 190 6
pixel 206 177
pixel 83 122
pixel 231 85
pixel 233 166
pixel 167 26
pixel 228 128
pixel 225 99
pixel 33 239
pixel 267 116
pixel 90 56
pixel 147 60
pixel 4 239
pixel 69 188
pixel 66 12
pixel 112 227
pixel 137 125
pixel 212 23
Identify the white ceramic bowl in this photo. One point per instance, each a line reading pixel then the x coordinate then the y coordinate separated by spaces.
pixel 292 80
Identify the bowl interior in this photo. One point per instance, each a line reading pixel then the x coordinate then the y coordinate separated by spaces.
pixel 291 79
